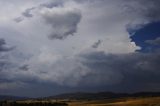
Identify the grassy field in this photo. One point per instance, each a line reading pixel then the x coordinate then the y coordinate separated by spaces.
pixel 138 101
pixel 151 101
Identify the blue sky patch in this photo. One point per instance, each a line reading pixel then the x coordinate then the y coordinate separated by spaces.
pixel 148 32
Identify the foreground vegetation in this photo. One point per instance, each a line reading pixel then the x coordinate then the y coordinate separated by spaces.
pixel 150 101
pixel 31 103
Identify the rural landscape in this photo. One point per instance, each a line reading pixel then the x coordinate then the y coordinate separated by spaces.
pixel 88 99
pixel 79 52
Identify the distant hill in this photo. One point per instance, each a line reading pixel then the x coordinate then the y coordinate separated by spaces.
pixel 102 95
pixel 87 96
pixel 4 97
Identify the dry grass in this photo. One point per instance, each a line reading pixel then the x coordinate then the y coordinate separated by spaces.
pixel 152 101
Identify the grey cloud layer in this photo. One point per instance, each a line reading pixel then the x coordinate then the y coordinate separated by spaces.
pixel 148 10
pixel 91 70
pixel 151 9
pixel 154 42
pixel 64 22
pixel 90 63
pixel 96 44
pixel 27 12
pixel 57 3
pixel 136 68
pixel 3 47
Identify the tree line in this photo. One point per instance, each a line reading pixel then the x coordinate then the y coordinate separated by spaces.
pixel 14 103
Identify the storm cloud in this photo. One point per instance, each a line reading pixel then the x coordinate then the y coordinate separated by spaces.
pixel 100 56
pixel 57 3
pixel 3 46
pixel 96 44
pixel 27 12
pixel 138 66
pixel 92 70
pixel 64 21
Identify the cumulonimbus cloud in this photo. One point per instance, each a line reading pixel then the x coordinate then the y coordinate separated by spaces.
pixel 103 19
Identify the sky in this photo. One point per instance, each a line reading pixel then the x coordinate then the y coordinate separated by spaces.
pixel 49 47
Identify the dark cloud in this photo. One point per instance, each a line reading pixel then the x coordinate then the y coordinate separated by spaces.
pixel 64 22
pixel 133 71
pixel 96 44
pixel 154 42
pixel 24 67
pixel 27 12
pixel 52 4
pixel 18 19
pixel 4 62
pixel 130 69
pixel 153 9
pixel 3 47
pixel 148 9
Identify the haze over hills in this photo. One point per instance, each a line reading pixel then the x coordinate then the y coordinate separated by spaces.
pixel 103 95
pixel 9 97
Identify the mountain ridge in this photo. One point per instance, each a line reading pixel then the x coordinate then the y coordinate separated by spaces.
pixel 10 97
pixel 86 95
pixel 102 95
